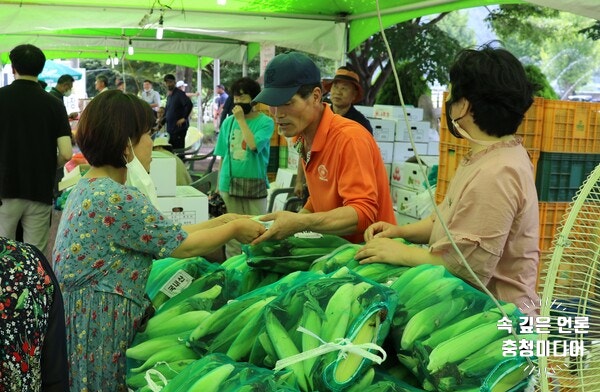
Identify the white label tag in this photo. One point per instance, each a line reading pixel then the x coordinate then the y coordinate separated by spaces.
pixel 308 234
pixel 179 281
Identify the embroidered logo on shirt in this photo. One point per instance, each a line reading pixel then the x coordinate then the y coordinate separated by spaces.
pixel 322 170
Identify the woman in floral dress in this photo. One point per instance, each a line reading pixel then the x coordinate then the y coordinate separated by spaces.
pixel 108 236
pixel 32 322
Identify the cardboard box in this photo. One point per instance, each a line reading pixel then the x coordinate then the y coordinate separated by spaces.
pixel 387 151
pixel 419 129
pixel 409 174
pixel 403 219
pixel 397 113
pixel 388 170
pixel 404 151
pixel 412 203
pixel 366 111
pixel 163 172
pixel 383 130
pixel 187 207
pixel 433 148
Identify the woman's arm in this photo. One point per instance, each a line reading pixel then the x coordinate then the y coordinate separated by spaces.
pixel 247 134
pixel 212 223
pixel 204 240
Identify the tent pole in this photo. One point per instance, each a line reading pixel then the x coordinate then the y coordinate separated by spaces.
pixel 245 63
pixel 199 92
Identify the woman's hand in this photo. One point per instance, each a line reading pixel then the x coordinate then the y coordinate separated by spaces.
pixel 383 250
pixel 246 230
pixel 381 230
pixel 226 218
pixel 238 113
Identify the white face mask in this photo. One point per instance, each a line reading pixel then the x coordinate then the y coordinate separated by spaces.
pixel 67 93
pixel 465 135
pixel 138 177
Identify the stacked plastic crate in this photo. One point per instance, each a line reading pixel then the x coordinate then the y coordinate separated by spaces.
pixel 570 151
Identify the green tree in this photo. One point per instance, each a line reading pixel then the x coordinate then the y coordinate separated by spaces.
pixel 535 75
pixel 560 44
pixel 418 44
pixel 412 86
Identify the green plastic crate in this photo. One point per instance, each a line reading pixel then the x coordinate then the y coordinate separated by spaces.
pixel 560 175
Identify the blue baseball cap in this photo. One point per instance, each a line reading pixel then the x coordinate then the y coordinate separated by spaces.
pixel 284 75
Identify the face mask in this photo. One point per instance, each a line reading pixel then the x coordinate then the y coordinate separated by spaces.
pixel 67 93
pixel 138 177
pixel 246 107
pixel 457 131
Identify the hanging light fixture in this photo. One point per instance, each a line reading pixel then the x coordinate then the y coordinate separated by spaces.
pixel 159 30
pixel 116 59
pixel 108 59
pixel 130 48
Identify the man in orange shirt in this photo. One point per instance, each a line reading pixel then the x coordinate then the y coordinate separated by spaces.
pixel 345 175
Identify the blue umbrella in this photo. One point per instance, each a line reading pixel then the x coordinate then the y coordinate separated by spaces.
pixel 52 71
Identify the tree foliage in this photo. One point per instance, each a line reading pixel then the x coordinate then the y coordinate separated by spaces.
pixel 521 22
pixel 536 76
pixel 418 45
pixel 592 32
pixel 412 86
pixel 560 44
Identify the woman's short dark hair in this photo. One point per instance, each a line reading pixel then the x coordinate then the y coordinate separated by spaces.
pixel 107 124
pixel 245 86
pixel 495 84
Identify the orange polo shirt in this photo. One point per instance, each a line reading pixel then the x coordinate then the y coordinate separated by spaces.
pixel 345 168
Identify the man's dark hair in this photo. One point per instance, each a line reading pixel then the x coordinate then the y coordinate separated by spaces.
pixel 27 60
pixel 65 79
pixel 306 89
pixel 107 124
pixel 169 77
pixel 103 79
pixel 148 81
pixel 245 86
pixel 494 82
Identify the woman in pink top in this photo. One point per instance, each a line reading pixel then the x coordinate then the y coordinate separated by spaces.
pixel 491 208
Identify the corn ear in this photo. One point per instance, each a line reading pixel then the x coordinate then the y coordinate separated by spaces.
pixel 211 381
pixel 284 347
pixel 461 346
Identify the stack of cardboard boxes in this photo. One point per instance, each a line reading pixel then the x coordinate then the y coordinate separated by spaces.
pixel 183 204
pixel 393 128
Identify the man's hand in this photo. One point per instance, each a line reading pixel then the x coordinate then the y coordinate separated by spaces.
pixel 284 224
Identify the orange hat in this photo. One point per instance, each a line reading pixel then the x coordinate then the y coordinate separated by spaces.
pixel 347 76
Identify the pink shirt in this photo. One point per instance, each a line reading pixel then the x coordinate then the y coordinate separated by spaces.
pixel 491 210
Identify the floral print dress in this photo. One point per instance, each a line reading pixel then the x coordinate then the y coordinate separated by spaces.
pixel 32 327
pixel 107 238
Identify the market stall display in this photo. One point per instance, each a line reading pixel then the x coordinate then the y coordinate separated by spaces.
pixel 325 329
